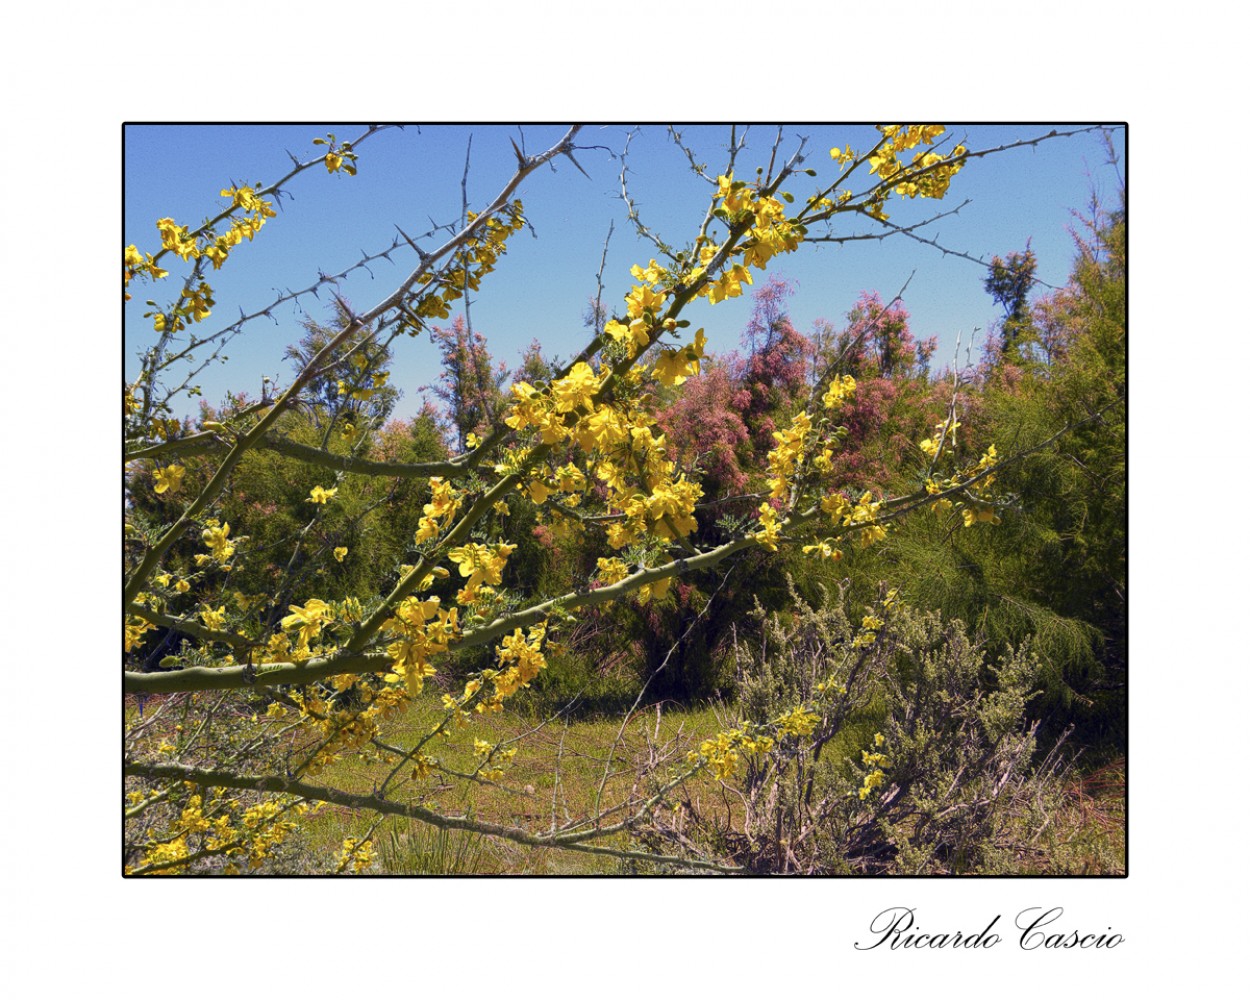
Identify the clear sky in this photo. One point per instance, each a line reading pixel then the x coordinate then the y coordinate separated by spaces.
pixel 541 288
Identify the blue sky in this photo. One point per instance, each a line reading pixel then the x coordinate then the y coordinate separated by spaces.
pixel 540 289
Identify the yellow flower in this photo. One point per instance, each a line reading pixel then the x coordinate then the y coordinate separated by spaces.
pixel 653 274
pixel 358 854
pixel 824 550
pixel 799 722
pixel 642 300
pixel 839 390
pixel 730 285
pixel 214 618
pixel 655 590
pixel 169 478
pixel 973 514
pixel 770 529
pixel 571 478
pixel 538 491
pixel 636 333
pixel 333 162
pixel 216 537
pixel 340 553
pixel 321 495
pixel 481 563
pixel 674 367
pixel 176 238
pixel 309 618
pixel 612 570
pixel 575 389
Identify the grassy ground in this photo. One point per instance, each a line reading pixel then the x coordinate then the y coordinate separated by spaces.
pixel 1087 833
pixel 560 772
pixel 564 769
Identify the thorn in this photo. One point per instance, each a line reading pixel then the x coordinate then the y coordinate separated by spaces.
pixel 520 157
pixel 420 253
pixel 569 154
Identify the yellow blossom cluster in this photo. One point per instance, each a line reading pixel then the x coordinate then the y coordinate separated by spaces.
pixel 927 176
pixel 422 628
pixel 642 307
pixel 839 391
pixel 769 234
pixel 481 564
pixel 267 831
pixel 862 514
pixel 554 412
pixel 870 625
pixel 194 306
pixel 723 752
pixel 221 826
pixel 362 391
pixel 494 756
pixel 612 570
pixel 623 450
pixel 944 433
pixel 974 484
pixel 654 590
pixel 216 537
pixel 195 302
pixel 769 532
pixel 135 264
pixel 824 549
pixel 789 458
pixel 133 632
pixel 475 259
pixel 344 729
pixel 798 722
pixel 309 619
pixel 785 459
pixel 676 365
pixel 358 855
pixel 975 512
pixel 444 502
pixel 521 659
pixel 214 618
pixel 877 763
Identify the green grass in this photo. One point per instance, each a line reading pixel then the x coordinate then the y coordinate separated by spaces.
pixel 564 767
pixel 561 772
